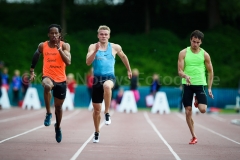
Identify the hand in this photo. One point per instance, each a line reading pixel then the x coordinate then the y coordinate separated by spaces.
pixel 210 93
pixel 129 74
pixel 57 44
pixel 97 46
pixel 188 80
pixel 32 76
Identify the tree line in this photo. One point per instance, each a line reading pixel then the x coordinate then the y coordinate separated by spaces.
pixel 151 32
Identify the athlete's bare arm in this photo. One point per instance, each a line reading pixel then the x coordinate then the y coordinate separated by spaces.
pixel 92 51
pixel 208 65
pixel 120 53
pixel 65 53
pixel 181 57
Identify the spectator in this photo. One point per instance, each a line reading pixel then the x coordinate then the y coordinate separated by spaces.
pixel 5 78
pixel 117 99
pixel 71 84
pixel 155 85
pixel 119 96
pixel 25 83
pixel 16 84
pixel 90 78
pixel 134 84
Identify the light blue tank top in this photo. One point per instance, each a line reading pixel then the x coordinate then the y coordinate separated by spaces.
pixel 103 64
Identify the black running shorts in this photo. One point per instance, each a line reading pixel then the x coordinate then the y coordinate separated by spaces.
pixel 188 92
pixel 97 90
pixel 59 89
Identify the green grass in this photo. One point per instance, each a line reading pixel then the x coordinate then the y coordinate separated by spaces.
pixel 229 111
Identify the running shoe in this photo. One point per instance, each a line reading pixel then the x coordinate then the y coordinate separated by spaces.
pixel 47 121
pixel 193 140
pixel 196 102
pixel 96 137
pixel 58 135
pixel 107 119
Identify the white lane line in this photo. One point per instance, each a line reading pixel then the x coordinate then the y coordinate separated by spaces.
pixel 183 118
pixel 86 142
pixel 19 117
pixel 161 137
pixel 36 128
pixel 218 118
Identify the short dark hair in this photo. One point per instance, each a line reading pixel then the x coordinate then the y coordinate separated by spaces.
pixel 197 34
pixel 55 25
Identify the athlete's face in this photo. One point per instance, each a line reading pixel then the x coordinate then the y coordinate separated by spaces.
pixel 195 42
pixel 103 35
pixel 54 35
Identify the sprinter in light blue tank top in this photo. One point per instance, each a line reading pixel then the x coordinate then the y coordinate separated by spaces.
pixel 102 56
pixel 103 64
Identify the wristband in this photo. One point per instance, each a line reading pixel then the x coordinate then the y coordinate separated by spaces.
pixel 59 48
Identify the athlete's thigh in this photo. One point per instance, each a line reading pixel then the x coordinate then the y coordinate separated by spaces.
pixel 187 96
pixel 200 94
pixel 97 92
pixel 47 81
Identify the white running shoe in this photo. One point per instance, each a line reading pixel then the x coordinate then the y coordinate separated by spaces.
pixel 107 119
pixel 96 137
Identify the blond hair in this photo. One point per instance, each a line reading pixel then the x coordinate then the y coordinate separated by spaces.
pixel 135 72
pixel 103 27
pixel 70 76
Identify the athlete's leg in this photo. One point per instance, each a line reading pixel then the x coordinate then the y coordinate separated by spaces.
pixel 97 116
pixel 59 93
pixel 190 122
pixel 97 98
pixel 58 111
pixel 202 108
pixel 187 102
pixel 107 87
pixel 47 85
pixel 201 98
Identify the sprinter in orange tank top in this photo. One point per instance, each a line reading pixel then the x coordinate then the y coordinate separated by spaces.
pixel 56 56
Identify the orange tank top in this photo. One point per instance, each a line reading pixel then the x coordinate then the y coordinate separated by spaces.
pixel 53 65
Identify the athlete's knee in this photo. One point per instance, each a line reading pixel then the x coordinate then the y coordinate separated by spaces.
pixel 188 111
pixel 47 87
pixel 58 108
pixel 107 88
pixel 202 108
pixel 97 109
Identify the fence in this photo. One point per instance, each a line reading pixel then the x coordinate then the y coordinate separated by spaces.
pixel 222 97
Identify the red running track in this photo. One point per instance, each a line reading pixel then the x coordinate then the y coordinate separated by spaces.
pixel 134 136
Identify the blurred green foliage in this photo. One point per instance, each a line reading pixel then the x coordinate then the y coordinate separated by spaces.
pixel 156 52
pixel 23 26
